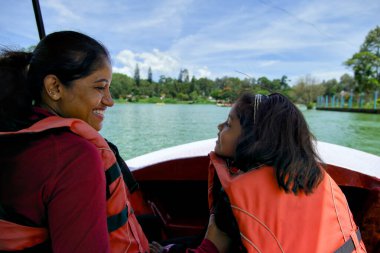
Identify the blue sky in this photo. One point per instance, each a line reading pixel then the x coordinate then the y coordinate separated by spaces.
pixel 208 37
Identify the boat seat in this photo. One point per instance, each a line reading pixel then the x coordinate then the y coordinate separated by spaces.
pixel 178 226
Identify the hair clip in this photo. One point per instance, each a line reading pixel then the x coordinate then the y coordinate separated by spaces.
pixel 256 103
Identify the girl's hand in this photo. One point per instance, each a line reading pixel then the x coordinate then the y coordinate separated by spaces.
pixel 217 236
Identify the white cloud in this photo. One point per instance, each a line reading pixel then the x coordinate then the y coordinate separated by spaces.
pixel 203 72
pixel 267 63
pixel 63 13
pixel 160 62
pixel 161 19
pixel 210 38
pixel 246 38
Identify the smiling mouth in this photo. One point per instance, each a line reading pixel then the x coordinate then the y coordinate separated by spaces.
pixel 99 113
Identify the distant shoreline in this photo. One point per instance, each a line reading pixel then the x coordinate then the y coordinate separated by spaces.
pixel 164 101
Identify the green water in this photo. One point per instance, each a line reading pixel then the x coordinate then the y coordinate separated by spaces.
pixel 141 128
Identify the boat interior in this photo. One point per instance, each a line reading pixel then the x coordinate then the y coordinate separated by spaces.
pixel 175 191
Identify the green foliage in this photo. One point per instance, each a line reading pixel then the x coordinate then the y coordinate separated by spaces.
pixel 122 85
pixel 183 76
pixel 307 90
pixel 347 83
pixel 366 63
pixel 310 106
pixel 136 75
pixel 203 90
pixel 226 89
pixel 150 75
pixel 170 101
pixel 332 87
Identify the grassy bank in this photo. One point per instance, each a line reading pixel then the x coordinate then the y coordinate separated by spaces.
pixel 157 100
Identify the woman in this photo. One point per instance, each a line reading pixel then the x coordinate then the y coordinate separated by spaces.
pixel 61 189
pixel 268 189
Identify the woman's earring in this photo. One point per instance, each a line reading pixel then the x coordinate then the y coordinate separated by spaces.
pixel 52 94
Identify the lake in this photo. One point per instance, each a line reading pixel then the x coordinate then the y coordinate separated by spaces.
pixel 141 128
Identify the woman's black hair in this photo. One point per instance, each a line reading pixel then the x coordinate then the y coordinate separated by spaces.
pixel 275 133
pixel 68 55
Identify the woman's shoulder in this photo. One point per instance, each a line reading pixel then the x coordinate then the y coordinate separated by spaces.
pixel 59 148
pixel 67 137
pixel 74 157
pixel 67 142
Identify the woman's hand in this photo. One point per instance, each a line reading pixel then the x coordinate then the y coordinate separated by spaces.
pixel 217 236
pixel 155 247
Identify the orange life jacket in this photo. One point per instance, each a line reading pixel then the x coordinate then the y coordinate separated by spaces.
pixel 271 220
pixel 125 233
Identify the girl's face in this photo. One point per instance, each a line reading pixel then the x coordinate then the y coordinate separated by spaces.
pixel 88 98
pixel 229 132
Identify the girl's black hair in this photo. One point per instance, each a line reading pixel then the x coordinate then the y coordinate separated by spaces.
pixel 276 134
pixel 69 55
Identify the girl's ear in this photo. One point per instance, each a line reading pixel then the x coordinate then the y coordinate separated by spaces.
pixel 52 87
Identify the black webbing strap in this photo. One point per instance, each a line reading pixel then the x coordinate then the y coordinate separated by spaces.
pixel 118 220
pixel 111 175
pixel 129 180
pixel 349 245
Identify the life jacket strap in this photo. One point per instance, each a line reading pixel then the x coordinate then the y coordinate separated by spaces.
pixel 129 179
pixel 118 220
pixel 112 174
pixel 349 245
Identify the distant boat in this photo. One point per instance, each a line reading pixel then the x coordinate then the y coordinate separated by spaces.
pixel 224 104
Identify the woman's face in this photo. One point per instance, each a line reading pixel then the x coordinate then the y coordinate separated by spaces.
pixel 88 98
pixel 229 132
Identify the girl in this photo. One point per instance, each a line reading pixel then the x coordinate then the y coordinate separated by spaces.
pixel 268 189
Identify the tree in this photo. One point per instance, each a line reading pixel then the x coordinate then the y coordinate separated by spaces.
pixel 150 75
pixel 121 85
pixel 162 79
pixel 192 86
pixel 284 82
pixel 307 90
pixel 348 82
pixel 137 75
pixel 366 63
pixel 183 76
pixel 205 86
pixel 180 76
pixel 332 87
pixel 265 84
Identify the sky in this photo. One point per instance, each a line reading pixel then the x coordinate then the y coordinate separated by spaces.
pixel 210 38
